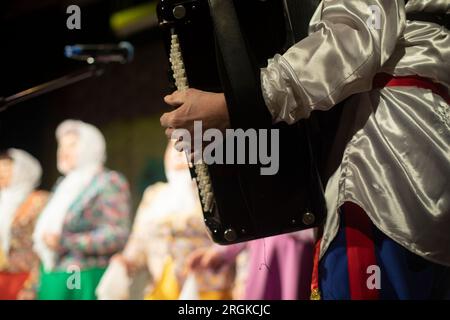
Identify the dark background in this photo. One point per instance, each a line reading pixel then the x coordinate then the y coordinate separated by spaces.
pixel 125 103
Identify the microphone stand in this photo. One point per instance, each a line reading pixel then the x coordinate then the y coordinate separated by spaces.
pixel 88 72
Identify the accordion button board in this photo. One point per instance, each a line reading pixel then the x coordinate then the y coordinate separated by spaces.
pixel 201 176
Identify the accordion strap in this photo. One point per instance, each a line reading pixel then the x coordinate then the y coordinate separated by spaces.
pixel 240 77
pixel 299 14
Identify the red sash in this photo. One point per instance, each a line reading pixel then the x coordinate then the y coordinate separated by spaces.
pixel 383 80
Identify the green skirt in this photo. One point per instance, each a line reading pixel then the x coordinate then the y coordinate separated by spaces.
pixel 70 285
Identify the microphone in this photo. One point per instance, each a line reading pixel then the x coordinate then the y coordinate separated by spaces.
pixel 101 53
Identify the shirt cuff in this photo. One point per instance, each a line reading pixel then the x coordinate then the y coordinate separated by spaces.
pixel 278 83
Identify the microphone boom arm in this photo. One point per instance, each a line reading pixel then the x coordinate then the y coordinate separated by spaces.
pixel 86 73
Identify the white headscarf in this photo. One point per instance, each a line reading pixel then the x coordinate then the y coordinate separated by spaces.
pixel 25 178
pixel 91 156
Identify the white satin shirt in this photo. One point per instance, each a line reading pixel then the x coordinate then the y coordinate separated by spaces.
pixel 395 141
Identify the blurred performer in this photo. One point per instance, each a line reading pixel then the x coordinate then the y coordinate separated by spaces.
pixel 279 268
pixel 168 227
pixel 20 206
pixel 86 220
pixel 388 197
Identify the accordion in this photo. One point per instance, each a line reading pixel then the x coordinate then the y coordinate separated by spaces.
pixel 220 46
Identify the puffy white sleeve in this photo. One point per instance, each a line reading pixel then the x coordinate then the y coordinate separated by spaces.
pixel 349 42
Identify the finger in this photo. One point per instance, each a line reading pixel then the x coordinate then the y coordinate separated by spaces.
pixel 206 260
pixel 175 120
pixel 169 133
pixel 166 119
pixel 188 264
pixel 180 134
pixel 175 99
pixel 185 147
pixel 193 261
pixel 181 145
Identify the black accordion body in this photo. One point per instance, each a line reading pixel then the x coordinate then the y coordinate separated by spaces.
pixel 220 46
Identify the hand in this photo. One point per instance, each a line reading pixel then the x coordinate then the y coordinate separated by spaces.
pixel 52 241
pixel 193 261
pixel 205 258
pixel 195 105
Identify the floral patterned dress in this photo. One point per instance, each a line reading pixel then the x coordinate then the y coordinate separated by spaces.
pixel 20 260
pixel 163 243
pixel 95 228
